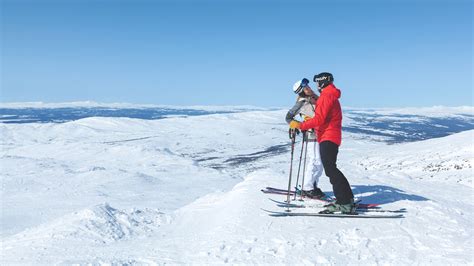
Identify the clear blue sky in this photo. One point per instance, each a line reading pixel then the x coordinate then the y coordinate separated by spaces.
pixel 382 53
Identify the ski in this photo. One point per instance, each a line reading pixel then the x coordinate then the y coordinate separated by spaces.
pixel 315 204
pixel 401 210
pixel 279 189
pixel 337 215
pixel 295 206
pixel 266 191
pixel 292 193
pixel 297 203
pixel 271 191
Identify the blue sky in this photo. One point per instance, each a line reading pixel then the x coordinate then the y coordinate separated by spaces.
pixel 382 53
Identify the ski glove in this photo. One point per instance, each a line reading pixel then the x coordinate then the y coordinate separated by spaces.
pixel 294 124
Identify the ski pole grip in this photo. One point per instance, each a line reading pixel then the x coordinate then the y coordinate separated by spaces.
pixel 292 134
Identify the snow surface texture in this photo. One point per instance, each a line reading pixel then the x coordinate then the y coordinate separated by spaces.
pixel 187 190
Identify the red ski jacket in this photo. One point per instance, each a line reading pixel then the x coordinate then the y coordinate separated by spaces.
pixel 327 120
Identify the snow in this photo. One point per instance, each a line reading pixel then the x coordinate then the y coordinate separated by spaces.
pixel 186 190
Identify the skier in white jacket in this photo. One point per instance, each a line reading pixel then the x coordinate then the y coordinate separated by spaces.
pixel 305 107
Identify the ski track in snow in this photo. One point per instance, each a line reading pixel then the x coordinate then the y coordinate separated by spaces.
pixel 187 191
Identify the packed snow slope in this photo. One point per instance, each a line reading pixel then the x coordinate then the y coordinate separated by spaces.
pixel 186 190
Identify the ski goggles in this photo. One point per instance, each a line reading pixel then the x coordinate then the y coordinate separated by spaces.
pixel 304 84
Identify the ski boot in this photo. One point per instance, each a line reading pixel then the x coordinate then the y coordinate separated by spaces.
pixel 349 208
pixel 315 193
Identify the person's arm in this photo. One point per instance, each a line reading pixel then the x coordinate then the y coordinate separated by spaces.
pixel 323 108
pixel 293 111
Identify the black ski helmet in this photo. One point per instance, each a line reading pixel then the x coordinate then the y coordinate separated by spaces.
pixel 323 79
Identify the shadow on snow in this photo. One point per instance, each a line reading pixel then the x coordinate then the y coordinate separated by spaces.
pixel 381 194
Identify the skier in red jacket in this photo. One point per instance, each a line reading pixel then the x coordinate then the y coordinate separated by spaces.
pixel 328 124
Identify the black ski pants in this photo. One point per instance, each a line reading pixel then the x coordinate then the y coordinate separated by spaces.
pixel 340 185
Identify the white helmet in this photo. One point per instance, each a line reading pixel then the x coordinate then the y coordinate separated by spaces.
pixel 300 85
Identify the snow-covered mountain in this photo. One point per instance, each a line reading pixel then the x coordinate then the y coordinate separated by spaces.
pixel 187 190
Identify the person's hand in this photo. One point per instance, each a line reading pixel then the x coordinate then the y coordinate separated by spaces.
pixel 293 132
pixel 295 124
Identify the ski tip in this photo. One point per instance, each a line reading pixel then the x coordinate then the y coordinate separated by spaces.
pixel 277 201
pixel 265 210
pixel 277 213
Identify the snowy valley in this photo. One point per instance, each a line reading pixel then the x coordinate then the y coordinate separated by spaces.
pixel 186 190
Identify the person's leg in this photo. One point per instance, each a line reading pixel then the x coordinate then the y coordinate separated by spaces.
pixel 340 185
pixel 317 165
pixel 310 182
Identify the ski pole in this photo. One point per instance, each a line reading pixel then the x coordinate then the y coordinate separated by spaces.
pixel 292 134
pixel 299 167
pixel 304 166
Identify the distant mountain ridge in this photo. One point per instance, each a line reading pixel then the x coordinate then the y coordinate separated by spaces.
pixel 391 125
